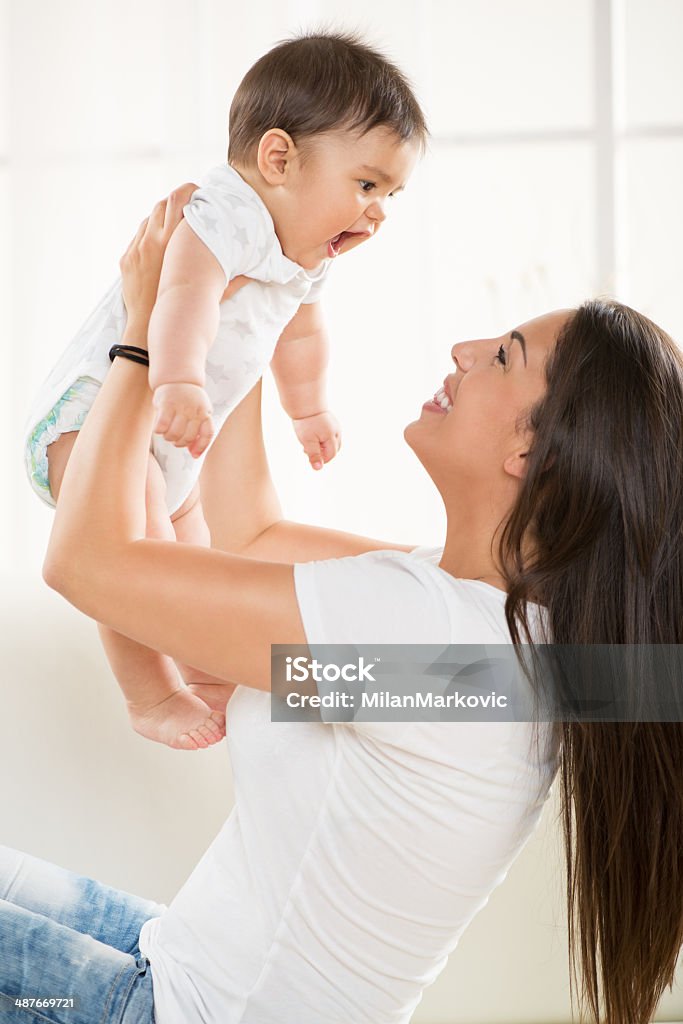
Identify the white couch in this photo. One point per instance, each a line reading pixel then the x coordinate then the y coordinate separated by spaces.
pixel 82 789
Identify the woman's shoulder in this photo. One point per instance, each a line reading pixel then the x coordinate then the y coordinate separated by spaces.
pixel 422 562
pixel 389 596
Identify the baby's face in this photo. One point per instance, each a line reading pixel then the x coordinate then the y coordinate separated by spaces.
pixel 340 195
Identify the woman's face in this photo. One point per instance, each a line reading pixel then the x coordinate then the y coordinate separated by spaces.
pixel 470 435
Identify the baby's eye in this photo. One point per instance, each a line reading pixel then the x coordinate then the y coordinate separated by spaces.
pixel 502 355
pixel 363 183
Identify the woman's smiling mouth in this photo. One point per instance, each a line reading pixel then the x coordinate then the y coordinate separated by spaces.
pixel 441 402
pixel 442 399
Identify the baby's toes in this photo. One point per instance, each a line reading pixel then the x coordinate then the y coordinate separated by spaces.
pixel 201 737
pixel 216 724
pixel 185 741
pixel 210 732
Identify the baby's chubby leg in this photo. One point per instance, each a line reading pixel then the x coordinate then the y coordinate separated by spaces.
pixel 179 718
pixel 190 527
pixel 160 708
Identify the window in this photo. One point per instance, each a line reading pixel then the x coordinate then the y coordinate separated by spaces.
pixel 553 174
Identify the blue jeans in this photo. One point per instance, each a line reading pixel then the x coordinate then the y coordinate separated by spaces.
pixel 70 940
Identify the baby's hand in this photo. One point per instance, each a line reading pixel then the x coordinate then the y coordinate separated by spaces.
pixel 184 416
pixel 320 436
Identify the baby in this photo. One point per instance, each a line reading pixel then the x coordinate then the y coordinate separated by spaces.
pixel 323 130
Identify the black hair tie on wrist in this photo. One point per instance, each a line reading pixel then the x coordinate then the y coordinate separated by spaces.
pixel 132 352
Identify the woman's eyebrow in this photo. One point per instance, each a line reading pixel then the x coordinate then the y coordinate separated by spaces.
pixel 516 336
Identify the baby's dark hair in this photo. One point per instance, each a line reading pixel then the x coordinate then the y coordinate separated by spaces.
pixel 319 82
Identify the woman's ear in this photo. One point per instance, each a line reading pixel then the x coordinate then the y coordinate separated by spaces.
pixel 515 464
pixel 276 151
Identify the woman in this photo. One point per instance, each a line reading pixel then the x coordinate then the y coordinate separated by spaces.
pixel 390 837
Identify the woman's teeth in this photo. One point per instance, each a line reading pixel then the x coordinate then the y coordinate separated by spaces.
pixel 442 399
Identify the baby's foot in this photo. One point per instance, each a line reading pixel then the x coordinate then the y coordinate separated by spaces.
pixel 216 695
pixel 182 721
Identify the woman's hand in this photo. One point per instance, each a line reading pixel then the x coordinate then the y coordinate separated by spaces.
pixel 141 263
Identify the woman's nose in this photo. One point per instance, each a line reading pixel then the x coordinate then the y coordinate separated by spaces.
pixel 463 354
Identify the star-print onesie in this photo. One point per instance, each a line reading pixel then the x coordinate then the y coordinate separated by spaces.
pixel 235 225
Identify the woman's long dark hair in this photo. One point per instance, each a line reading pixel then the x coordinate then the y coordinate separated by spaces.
pixel 596 537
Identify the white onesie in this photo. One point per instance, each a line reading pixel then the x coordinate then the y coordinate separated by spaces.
pixel 234 223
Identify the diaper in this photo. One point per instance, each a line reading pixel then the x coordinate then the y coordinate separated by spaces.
pixel 248 329
pixel 64 398
pixel 67 414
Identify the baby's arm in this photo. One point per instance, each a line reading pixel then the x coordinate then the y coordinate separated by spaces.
pixel 299 365
pixel 182 329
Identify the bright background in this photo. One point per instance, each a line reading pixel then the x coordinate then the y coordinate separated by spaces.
pixel 554 174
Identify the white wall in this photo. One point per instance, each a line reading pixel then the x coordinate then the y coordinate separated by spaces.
pixel 553 174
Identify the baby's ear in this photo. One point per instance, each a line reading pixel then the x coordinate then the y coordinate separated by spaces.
pixel 275 152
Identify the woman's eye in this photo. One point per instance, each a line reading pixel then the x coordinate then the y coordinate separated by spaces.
pixel 364 183
pixel 502 355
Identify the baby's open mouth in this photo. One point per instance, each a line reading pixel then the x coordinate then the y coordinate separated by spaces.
pixel 334 245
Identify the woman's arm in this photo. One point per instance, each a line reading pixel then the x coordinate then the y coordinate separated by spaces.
pixel 206 608
pixel 241 506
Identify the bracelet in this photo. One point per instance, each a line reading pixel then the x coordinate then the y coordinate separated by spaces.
pixel 132 352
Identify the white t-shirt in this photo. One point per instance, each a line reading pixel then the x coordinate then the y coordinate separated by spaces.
pixel 234 223
pixel 356 853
